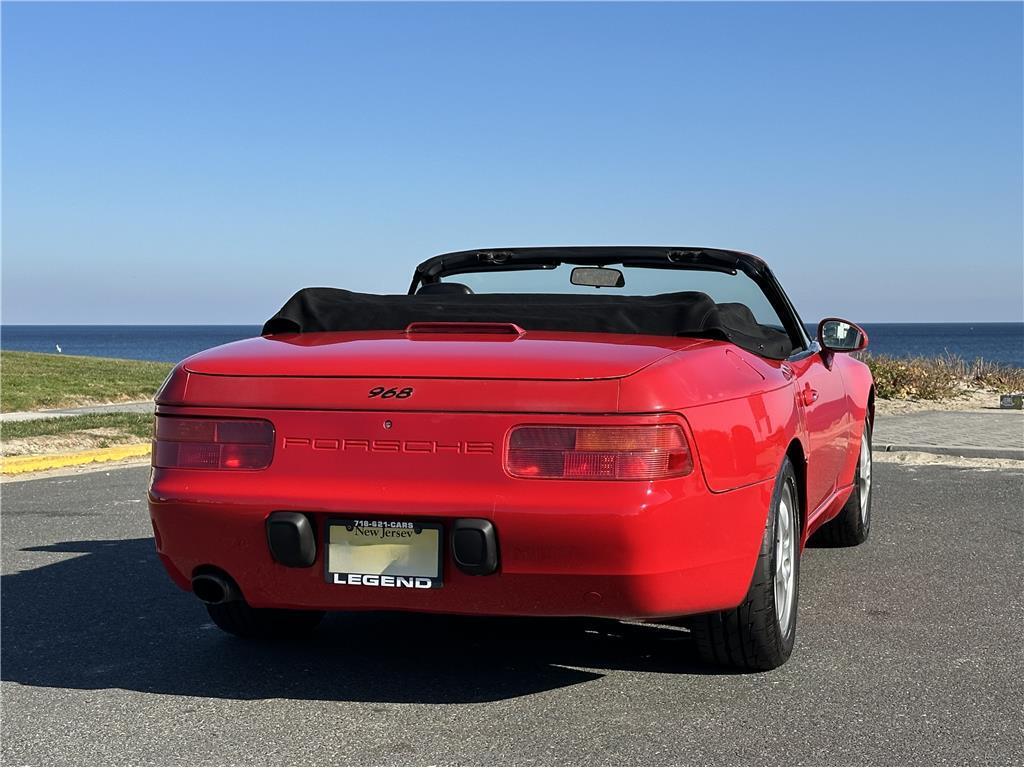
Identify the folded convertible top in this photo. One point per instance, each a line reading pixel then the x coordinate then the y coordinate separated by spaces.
pixel 668 314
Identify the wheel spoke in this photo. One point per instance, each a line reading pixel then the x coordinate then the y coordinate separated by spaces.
pixel 864 472
pixel 785 559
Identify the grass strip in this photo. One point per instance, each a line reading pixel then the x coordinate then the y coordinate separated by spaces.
pixel 31 380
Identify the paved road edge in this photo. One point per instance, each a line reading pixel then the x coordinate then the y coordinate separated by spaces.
pixel 132 406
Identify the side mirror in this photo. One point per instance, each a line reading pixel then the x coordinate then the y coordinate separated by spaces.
pixel 837 335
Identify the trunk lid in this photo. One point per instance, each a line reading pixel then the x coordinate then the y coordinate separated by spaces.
pixel 536 356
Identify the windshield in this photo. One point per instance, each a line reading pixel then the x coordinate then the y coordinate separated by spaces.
pixel 722 287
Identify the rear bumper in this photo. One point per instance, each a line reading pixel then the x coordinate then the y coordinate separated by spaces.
pixel 616 550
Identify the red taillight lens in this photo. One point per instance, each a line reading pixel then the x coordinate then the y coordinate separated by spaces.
pixel 185 443
pixel 599 453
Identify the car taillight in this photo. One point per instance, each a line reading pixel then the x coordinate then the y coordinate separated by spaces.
pixel 185 443
pixel 598 453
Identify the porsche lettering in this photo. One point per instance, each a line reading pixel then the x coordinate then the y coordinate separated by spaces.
pixel 463 447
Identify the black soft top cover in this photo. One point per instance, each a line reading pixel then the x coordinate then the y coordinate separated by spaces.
pixel 669 314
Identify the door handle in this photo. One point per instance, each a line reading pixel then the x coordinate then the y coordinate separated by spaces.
pixel 810 395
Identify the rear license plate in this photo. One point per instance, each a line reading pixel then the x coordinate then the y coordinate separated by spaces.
pixel 384 553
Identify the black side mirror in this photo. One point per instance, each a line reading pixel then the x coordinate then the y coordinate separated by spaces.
pixel 837 335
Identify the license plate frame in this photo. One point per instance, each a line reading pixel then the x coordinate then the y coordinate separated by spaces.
pixel 340 550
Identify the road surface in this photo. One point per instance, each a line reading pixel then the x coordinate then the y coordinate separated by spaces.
pixel 909 651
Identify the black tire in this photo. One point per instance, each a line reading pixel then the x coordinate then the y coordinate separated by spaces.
pixel 750 637
pixel 239 618
pixel 853 523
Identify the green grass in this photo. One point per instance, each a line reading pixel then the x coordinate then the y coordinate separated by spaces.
pixel 128 424
pixel 939 378
pixel 29 380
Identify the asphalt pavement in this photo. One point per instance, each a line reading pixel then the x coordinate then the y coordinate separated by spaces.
pixel 909 651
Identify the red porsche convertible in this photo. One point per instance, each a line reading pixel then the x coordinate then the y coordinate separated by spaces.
pixel 621 432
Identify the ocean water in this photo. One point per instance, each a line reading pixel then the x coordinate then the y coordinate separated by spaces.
pixel 995 342
pixel 165 343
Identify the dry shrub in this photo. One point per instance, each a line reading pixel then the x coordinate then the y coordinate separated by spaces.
pixel 938 378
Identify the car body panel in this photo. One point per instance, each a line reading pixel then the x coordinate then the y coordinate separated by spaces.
pixel 742 441
pixel 531 356
pixel 632 550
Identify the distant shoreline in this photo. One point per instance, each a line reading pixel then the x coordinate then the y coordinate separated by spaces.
pixel 999 343
pixel 259 325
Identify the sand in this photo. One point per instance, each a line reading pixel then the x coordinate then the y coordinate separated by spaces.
pixel 918 459
pixel 71 442
pixel 970 400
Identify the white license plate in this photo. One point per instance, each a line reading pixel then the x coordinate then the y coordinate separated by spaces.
pixel 399 554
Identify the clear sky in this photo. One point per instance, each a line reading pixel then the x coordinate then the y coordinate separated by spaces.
pixel 197 163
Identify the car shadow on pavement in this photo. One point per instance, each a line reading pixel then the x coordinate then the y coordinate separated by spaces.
pixel 108 617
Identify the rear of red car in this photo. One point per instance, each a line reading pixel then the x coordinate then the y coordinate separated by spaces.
pixel 485 471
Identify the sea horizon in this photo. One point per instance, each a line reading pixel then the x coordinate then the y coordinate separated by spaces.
pixel 992 341
pixel 238 325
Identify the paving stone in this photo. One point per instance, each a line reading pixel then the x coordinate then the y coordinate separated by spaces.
pixel 969 429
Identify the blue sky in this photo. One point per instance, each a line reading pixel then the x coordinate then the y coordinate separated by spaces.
pixel 197 163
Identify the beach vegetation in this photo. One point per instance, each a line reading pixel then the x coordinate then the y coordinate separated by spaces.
pixel 31 380
pixel 939 378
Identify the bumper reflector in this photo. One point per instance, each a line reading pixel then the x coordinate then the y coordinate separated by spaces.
pixel 648 452
pixel 188 443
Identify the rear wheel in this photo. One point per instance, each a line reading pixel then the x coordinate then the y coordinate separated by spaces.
pixel 239 618
pixel 853 523
pixel 759 634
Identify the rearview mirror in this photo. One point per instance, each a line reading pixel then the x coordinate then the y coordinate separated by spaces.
pixel 838 335
pixel 597 277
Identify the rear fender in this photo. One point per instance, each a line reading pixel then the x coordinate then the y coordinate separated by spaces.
pixel 743 441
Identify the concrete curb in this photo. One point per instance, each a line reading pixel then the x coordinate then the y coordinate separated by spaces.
pixel 967 451
pixel 16 465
